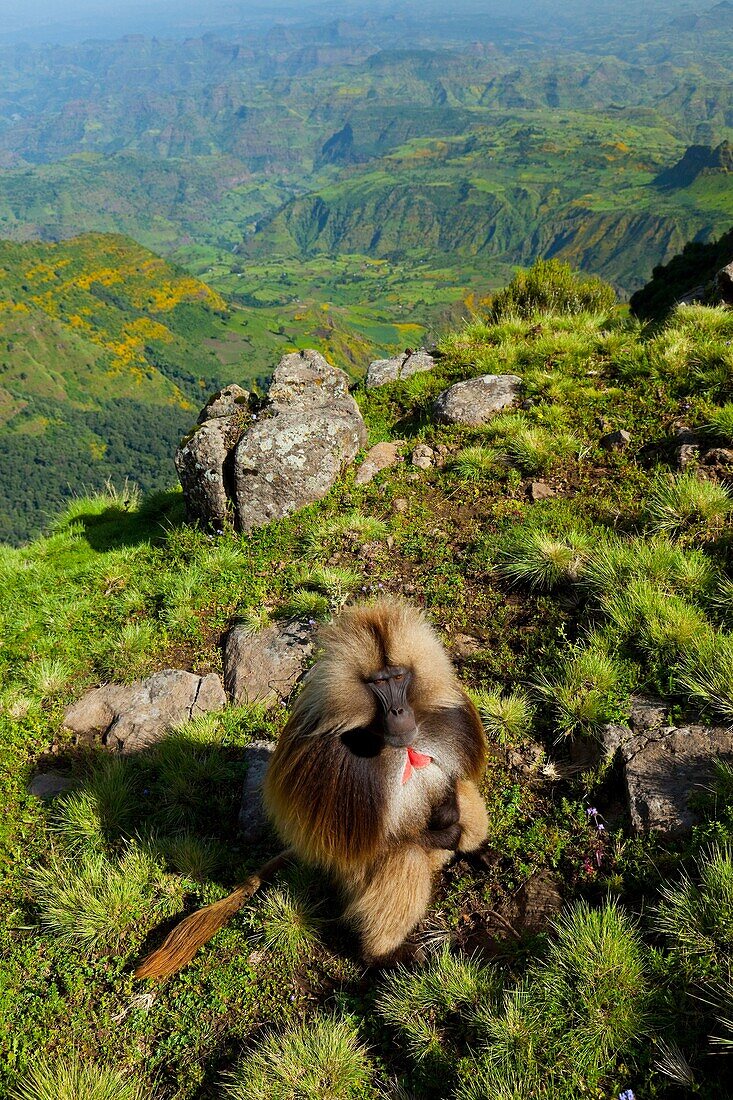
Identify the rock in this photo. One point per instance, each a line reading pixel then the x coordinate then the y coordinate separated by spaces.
pixel 265 666
pixel 201 462
pixel 292 457
pixel 227 402
pixel 465 645
pixel 724 283
pixel 253 821
pixel 382 371
pixel 718 456
pixel 48 785
pixel 476 400
pixel 423 456
pixel 538 901
pixel 616 441
pixel 540 490
pixel 244 468
pixel 399 505
pixel 130 717
pixel 663 765
pixel 380 457
pixel 687 455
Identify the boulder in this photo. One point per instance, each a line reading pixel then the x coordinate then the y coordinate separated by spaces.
pixel 663 764
pixel 310 430
pixel 264 666
pixel 130 717
pixel 201 459
pixel 540 490
pixel 477 399
pixel 244 468
pixel 380 457
pixel 382 371
pixel 253 821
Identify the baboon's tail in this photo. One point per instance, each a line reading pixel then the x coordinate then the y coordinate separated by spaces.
pixel 180 946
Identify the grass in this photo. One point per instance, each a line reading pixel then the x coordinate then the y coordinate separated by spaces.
pixel 677 504
pixel 76 1078
pixel 96 903
pixel 323 1059
pixel 574 603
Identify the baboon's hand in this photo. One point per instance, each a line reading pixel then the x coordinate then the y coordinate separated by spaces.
pixel 444 830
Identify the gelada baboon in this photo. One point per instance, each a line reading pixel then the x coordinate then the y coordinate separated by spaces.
pixel 373 780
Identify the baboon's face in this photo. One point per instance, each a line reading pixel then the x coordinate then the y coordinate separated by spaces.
pixel 390 688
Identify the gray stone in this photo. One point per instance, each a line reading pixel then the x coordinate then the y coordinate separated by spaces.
pixel 724 283
pixel 264 666
pixel 48 785
pixel 227 402
pixel 380 457
pixel 304 379
pixel 663 765
pixel 253 820
pixel 382 371
pixel 477 399
pixel 616 441
pixel 687 455
pixel 200 462
pixel 423 456
pixel 540 490
pixel 130 717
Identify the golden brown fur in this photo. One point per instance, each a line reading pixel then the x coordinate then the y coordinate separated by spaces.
pixel 348 812
pixel 335 789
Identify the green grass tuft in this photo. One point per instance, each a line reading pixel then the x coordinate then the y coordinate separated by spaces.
pixel 537 559
pixel 321 1059
pixel 677 503
pixel 507 716
pixel 75 1078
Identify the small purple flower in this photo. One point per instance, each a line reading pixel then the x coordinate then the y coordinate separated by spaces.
pixel 592 811
pixel 627 1094
pixel 600 826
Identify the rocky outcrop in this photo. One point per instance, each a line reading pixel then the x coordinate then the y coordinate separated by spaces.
pixel 663 765
pixel 382 371
pixel 476 400
pixel 201 460
pixel 264 666
pixel 724 284
pixel 130 717
pixel 248 469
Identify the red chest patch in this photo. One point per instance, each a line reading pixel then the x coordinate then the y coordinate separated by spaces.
pixel 414 760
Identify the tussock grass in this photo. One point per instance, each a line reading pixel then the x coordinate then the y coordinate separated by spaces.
pixel 321 1059
pixel 586 691
pixel 677 503
pixel 537 559
pixel 48 676
pixel 659 623
pixel 128 657
pixel 696 917
pixel 614 562
pixel 75 1078
pixel 307 604
pixel 720 423
pixel 189 854
pixel 93 902
pixel 476 463
pixel 423 1007
pixel 289 923
pixel 103 811
pixel 187 774
pixel 705 672
pixel 507 716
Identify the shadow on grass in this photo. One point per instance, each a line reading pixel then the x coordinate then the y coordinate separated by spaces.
pixel 117 526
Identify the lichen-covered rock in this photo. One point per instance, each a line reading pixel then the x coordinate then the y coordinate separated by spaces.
pixel 201 461
pixel 382 371
pixel 423 456
pixel 227 402
pixel 724 283
pixel 264 666
pixel 129 717
pixel 380 457
pixel 477 399
pixel 663 765
pixel 310 430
